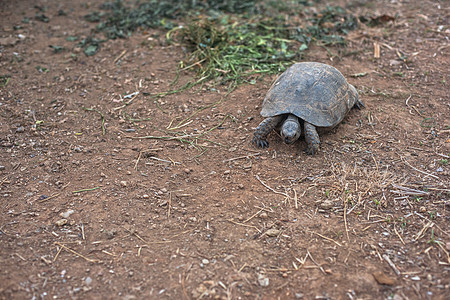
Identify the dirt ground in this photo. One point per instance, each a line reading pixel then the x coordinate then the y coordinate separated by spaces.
pixel 172 201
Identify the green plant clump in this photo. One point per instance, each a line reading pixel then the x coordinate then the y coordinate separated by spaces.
pixel 229 41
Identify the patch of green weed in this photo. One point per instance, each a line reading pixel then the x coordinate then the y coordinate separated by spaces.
pixel 4 80
pixel 230 41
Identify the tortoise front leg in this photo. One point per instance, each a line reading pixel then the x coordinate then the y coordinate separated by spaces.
pixel 311 138
pixel 263 130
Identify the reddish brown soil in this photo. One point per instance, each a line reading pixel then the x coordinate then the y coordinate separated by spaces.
pixel 173 220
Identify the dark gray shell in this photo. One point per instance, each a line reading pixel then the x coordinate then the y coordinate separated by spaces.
pixel 315 92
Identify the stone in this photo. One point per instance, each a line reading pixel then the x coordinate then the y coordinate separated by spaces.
pixel 326 204
pixel 273 232
pixel 263 215
pixel 61 222
pixel 263 280
pixel 382 278
pixel 67 214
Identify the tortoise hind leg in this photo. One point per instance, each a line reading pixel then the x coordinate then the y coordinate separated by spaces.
pixel 359 104
pixel 263 130
pixel 311 138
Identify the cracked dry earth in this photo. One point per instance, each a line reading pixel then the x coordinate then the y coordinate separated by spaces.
pixel 173 202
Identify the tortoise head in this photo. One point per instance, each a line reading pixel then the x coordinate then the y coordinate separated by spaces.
pixel 290 129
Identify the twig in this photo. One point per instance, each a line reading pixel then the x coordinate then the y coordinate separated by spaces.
pixel 179 126
pixel 51 197
pixel 164 160
pixel 57 253
pixel 412 106
pixel 310 256
pixel 193 65
pixel 327 238
pixel 276 192
pixel 242 268
pixel 135 94
pixel 120 56
pixel 20 256
pixel 407 190
pixel 167 138
pixel 4 180
pixel 82 232
pixel 245 225
pixel 137 161
pixel 169 204
pixel 445 251
pixel 159 242
pixel 391 264
pixel 200 109
pixel 345 218
pixel 109 253
pixel 295 199
pixel 420 171
pixel 241 157
pixel 185 294
pixel 399 236
pixel 76 253
pixel 102 116
pixel 351 209
pixel 254 215
pixel 215 127
pixel 87 190
pixel 443 155
pixel 422 231
pixel 443 231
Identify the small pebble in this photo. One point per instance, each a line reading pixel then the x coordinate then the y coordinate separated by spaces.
pixel 422 209
pixel 123 183
pixel 2 168
pixel 88 280
pixel 67 214
pixel 384 279
pixel 164 190
pixel 272 232
pixel 415 278
pixel 327 204
pixel 20 129
pixel 187 171
pixel 61 222
pixel 263 215
pixel 145 196
pixel 298 296
pixel 263 280
pixel 227 172
pixel 205 261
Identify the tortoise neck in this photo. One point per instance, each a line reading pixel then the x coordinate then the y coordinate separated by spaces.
pixel 292 118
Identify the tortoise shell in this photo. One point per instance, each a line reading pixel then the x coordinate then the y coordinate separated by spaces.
pixel 315 92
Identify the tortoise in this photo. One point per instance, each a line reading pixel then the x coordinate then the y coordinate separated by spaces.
pixel 309 95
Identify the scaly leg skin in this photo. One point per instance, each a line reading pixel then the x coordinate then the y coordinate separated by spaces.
pixel 263 130
pixel 359 104
pixel 311 138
